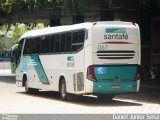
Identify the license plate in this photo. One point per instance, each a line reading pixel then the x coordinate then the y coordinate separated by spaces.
pixel 115 86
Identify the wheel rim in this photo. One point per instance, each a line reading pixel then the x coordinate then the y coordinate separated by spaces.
pixel 63 90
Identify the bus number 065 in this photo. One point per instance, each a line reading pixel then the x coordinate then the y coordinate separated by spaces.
pixel 102 47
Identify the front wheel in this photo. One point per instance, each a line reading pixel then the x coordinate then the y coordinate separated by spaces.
pixel 29 90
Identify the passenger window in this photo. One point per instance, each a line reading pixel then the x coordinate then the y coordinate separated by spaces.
pixel 68 42
pixel 52 44
pixel 78 40
pixel 62 43
pixel 42 44
pixel 27 47
pixel 48 39
pixel 75 41
pixel 57 43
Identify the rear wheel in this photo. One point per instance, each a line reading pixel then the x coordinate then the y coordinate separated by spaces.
pixel 63 92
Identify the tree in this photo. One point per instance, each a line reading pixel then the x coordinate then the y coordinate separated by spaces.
pixel 18 31
pixel 3 44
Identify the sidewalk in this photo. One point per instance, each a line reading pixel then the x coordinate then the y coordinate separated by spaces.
pixel 6 72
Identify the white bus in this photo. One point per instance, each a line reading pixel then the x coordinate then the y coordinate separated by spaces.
pixel 98 58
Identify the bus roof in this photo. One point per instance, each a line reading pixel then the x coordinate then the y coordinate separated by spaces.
pixel 50 30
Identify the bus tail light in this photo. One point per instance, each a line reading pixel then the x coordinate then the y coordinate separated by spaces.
pixel 137 77
pixel 134 23
pixel 90 73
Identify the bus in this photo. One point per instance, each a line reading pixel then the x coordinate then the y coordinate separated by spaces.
pixel 4 55
pixel 5 59
pixel 92 58
pixel 14 58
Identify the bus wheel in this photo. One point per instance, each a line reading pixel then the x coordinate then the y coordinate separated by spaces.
pixel 63 90
pixel 105 97
pixel 29 90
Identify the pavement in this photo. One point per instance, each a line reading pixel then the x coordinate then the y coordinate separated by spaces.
pixel 6 72
pixel 15 100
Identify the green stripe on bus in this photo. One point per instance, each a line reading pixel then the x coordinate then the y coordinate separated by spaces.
pixel 108 88
pixel 39 69
pixel 109 77
pixel 115 30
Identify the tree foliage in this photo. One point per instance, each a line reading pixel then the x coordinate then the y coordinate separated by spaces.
pixel 76 6
pixel 3 44
pixel 18 31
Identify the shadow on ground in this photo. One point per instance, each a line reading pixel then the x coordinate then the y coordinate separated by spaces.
pixel 8 79
pixel 149 95
pixel 82 100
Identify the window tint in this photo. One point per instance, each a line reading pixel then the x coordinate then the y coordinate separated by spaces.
pixel 48 41
pixel 27 47
pixel 75 41
pixel 52 44
pixel 78 40
pixel 42 44
pixel 62 43
pixel 57 43
pixel 68 42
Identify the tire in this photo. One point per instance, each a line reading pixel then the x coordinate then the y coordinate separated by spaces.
pixel 63 90
pixel 104 98
pixel 63 93
pixel 29 90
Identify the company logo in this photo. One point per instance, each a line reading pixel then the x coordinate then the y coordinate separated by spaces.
pixel 100 70
pixel 70 61
pixel 115 30
pixel 116 34
pixel 70 58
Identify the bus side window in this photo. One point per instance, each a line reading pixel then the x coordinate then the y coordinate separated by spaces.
pixel 62 43
pixel 42 44
pixel 74 41
pixel 19 50
pixel 33 46
pixel 27 47
pixel 48 38
pixel 81 35
pixel 57 44
pixel 52 45
pixel 78 40
pixel 68 42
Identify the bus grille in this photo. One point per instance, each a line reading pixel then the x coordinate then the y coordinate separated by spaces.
pixel 78 81
pixel 115 54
